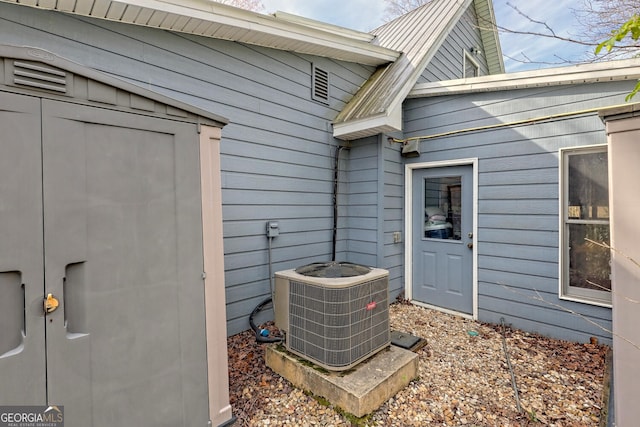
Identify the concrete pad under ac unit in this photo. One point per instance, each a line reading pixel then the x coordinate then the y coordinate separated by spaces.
pixel 359 391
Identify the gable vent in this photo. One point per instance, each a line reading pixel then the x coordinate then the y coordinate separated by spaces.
pixel 320 85
pixel 39 76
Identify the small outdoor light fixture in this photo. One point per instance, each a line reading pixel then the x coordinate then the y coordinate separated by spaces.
pixel 475 51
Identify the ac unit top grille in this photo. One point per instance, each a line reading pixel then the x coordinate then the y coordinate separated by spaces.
pixel 332 269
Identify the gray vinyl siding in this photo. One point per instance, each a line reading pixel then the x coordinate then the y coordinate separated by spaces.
pixel 448 61
pixel 362 214
pixel 277 151
pixel 393 215
pixel 518 189
pixel 375 207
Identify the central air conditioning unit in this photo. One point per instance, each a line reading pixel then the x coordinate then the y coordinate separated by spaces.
pixel 333 314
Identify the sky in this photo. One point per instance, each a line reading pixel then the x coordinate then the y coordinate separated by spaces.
pixel 530 52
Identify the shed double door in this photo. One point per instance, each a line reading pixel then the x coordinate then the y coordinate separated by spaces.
pixel 101 209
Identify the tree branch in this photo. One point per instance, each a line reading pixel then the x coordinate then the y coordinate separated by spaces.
pixel 568 310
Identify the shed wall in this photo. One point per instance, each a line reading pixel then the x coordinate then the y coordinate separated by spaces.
pixel 117 219
pixel 518 210
pixel 277 153
pixel 624 175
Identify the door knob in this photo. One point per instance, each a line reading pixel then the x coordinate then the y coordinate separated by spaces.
pixel 470 245
pixel 51 303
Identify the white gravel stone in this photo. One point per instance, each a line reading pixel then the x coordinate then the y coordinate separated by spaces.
pixel 463 380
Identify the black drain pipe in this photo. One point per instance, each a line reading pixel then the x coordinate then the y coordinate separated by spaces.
pixel 336 180
pixel 262 335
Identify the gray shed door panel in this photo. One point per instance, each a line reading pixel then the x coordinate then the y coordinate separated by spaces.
pixel 22 359
pixel 123 254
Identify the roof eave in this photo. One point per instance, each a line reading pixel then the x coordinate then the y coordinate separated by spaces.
pixel 216 20
pixel 628 69
pixel 307 22
pixel 381 123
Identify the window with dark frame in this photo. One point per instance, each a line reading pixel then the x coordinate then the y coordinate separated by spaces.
pixel 443 208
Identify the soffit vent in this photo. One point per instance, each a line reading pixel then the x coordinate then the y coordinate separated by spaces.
pixel 37 75
pixel 320 85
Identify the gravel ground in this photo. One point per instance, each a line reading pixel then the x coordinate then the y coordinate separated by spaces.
pixel 464 380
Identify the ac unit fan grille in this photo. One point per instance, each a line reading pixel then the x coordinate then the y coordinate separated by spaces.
pixel 338 327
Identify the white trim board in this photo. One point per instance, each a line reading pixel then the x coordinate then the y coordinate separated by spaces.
pixel 628 69
pixel 216 20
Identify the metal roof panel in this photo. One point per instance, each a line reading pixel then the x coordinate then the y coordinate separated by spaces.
pixel 418 35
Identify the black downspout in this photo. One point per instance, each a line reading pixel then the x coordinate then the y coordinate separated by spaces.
pixel 336 171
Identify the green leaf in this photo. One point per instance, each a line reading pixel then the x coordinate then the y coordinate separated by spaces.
pixel 632 28
pixel 633 92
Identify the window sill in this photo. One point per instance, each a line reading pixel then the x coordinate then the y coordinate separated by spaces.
pixel 584 300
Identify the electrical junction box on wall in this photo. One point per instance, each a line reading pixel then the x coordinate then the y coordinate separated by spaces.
pixel 273 229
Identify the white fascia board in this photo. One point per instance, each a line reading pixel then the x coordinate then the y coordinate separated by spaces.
pixel 342 31
pixel 218 13
pixel 354 129
pixel 491 37
pixel 395 118
pixel 579 74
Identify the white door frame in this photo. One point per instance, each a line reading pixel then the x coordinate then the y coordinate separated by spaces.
pixel 408 229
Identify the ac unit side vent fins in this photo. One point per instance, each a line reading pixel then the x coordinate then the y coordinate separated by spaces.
pixel 39 76
pixel 335 327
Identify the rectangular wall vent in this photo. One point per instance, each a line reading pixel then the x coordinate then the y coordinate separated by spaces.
pixel 320 85
pixel 39 76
